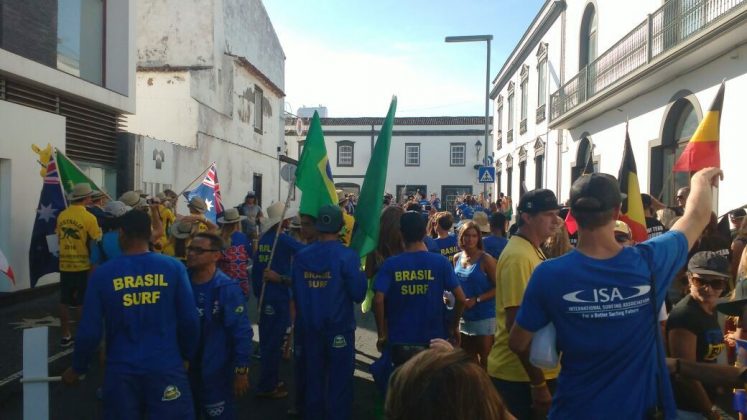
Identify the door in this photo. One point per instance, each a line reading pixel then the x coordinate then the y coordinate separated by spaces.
pixel 449 194
pixel 257 187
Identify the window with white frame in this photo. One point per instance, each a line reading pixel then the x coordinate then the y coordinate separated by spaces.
pixel 412 154
pixel 542 83
pixel 345 153
pixel 458 154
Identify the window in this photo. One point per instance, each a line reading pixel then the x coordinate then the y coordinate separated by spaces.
pixel 498 178
pixel 345 153
pixel 524 97
pixel 499 123
pixel 258 98
pixel 539 163
pixel 66 34
pixel 522 178
pixel 588 42
pixel 585 163
pixel 510 132
pixel 679 125
pixel 412 154
pixel 509 181
pixel 458 154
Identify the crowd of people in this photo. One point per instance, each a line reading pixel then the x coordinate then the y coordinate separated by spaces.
pixel 461 299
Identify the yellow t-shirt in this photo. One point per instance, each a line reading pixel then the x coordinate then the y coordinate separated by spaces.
pixel 75 227
pixel 346 233
pixel 167 219
pixel 515 265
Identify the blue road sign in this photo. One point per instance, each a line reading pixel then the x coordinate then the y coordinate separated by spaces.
pixel 486 175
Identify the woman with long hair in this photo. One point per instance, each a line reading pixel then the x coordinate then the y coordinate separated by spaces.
pixel 475 270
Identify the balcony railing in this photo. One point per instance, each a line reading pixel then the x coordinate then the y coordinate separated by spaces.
pixel 669 26
pixel 523 126
pixel 510 136
pixel 540 114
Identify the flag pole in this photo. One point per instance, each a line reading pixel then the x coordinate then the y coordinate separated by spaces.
pixel 81 171
pixel 202 174
pixel 291 187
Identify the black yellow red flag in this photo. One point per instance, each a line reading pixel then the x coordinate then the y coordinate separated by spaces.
pixel 632 207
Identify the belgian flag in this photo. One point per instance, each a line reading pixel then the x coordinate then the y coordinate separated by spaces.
pixel 632 207
pixel 703 149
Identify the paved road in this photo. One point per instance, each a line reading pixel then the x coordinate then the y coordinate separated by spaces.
pixel 80 403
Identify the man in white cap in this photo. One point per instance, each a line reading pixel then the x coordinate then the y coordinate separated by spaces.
pixel 275 309
pixel 75 228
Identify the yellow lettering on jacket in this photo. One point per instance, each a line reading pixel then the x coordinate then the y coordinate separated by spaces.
pixel 412 275
pixel 413 289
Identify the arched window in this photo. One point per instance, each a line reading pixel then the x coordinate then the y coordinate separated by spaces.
pixel 585 163
pixel 588 41
pixel 679 125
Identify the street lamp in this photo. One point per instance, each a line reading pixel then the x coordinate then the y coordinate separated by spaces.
pixel 487 39
pixel 478 145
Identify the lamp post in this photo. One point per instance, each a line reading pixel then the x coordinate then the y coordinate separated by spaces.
pixel 478 145
pixel 487 39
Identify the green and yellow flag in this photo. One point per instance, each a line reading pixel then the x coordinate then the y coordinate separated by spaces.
pixel 368 211
pixel 313 174
pixel 71 174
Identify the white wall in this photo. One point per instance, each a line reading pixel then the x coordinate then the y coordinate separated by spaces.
pixel 21 183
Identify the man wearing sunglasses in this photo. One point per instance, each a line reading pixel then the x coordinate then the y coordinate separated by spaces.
pixel 693 330
pixel 221 367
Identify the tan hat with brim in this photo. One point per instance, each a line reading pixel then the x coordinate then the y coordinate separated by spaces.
pixel 133 199
pixel 231 216
pixel 197 204
pixel 481 220
pixel 275 216
pixel 181 230
pixel 81 191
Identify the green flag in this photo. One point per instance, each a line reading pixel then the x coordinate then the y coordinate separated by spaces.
pixel 313 174
pixel 368 210
pixel 71 174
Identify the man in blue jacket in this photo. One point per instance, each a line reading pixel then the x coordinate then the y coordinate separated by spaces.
pixel 152 327
pixel 221 366
pixel 327 281
pixel 275 311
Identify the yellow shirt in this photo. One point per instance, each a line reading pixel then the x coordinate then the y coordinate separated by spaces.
pixel 167 219
pixel 346 233
pixel 75 227
pixel 515 265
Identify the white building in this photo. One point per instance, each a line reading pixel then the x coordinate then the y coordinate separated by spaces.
pixel 67 74
pixel 658 65
pixel 210 86
pixel 428 154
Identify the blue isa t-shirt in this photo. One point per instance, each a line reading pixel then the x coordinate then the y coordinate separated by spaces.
pixel 413 284
pixel 149 312
pixel 447 246
pixel 494 245
pixel 604 319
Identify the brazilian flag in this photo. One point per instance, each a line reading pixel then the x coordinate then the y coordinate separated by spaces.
pixel 313 174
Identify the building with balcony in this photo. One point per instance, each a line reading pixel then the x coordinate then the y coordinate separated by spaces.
pixel 657 67
pixel 67 75
pixel 428 154
pixel 210 80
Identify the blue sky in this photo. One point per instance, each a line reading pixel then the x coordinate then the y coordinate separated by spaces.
pixel 352 55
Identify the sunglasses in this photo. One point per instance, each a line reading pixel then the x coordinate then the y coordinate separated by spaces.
pixel 622 237
pixel 199 251
pixel 714 284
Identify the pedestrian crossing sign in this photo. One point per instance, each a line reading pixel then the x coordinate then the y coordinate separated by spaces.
pixel 486 175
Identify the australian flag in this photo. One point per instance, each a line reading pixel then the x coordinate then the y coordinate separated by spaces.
pixel 209 191
pixel 44 256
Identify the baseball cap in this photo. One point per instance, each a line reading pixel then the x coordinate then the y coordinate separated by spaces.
pixel 537 201
pixel 740 212
pixel 709 263
pixel 622 227
pixel 329 219
pixel 596 192
pixel 733 306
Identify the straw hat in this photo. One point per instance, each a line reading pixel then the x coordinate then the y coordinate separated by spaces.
pixel 275 216
pixel 231 215
pixel 340 196
pixel 481 220
pixel 197 204
pixel 181 230
pixel 133 199
pixel 80 191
